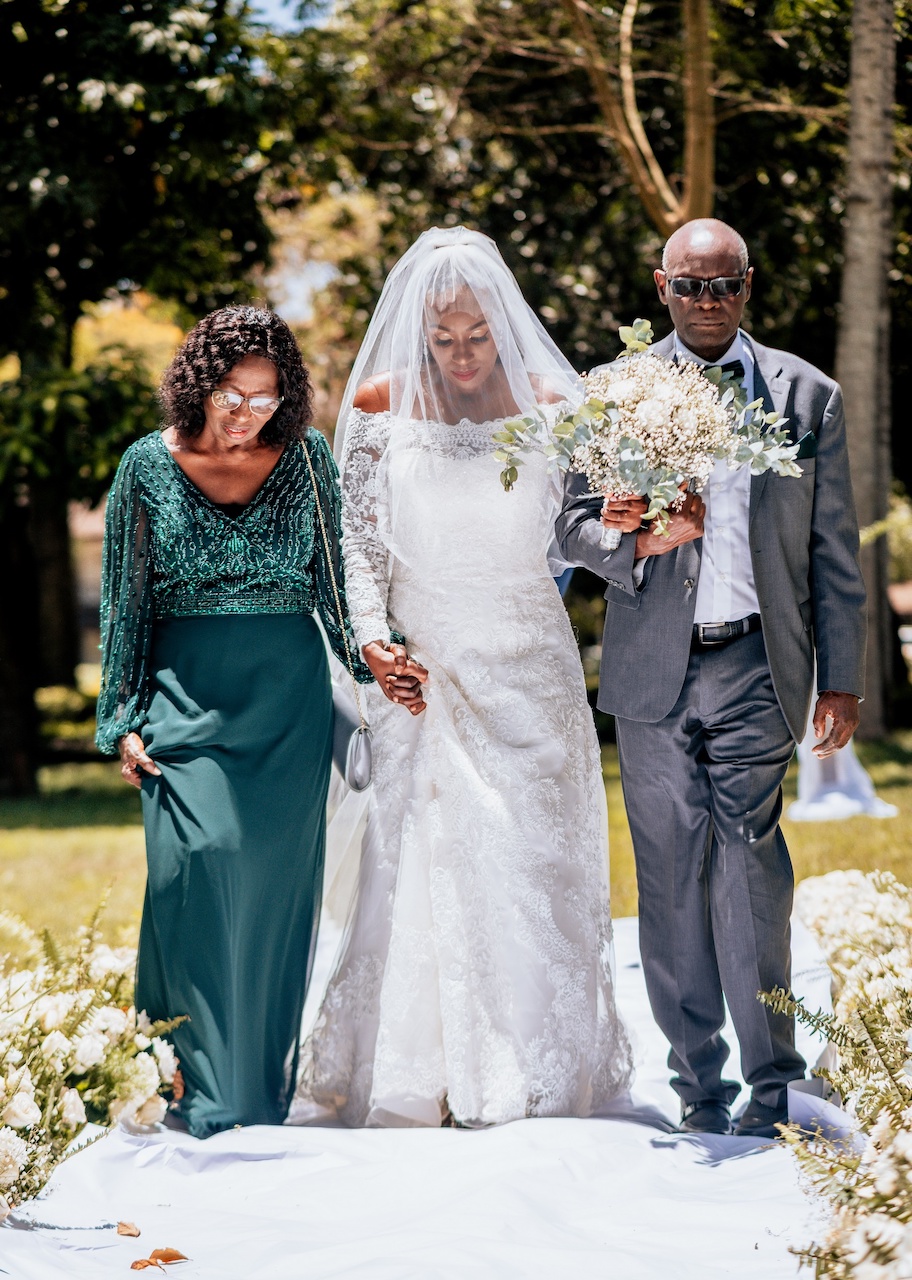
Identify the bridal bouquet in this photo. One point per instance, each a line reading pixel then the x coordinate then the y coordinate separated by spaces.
pixel 650 427
pixel 72 1051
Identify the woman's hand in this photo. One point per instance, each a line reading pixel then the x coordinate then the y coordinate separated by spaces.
pixel 624 514
pixel 134 761
pixel 399 676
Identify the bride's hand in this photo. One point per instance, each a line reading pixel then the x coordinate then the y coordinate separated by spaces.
pixel 624 514
pixel 399 676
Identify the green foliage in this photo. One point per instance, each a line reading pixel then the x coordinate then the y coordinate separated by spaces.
pixel 74 424
pixel 481 112
pixel 129 152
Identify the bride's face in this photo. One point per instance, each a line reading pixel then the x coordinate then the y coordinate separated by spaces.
pixel 463 349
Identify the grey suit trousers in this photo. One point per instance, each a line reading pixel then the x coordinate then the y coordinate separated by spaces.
pixel 702 789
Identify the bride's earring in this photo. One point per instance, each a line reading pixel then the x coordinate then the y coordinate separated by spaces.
pixel 425 354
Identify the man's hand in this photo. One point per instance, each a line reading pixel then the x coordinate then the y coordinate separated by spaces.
pixel 624 514
pixel 133 760
pixel 684 525
pixel 399 676
pixel 836 716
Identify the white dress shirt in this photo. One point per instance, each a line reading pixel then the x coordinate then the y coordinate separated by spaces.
pixel 726 590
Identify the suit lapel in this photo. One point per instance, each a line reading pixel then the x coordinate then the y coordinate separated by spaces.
pixel 773 389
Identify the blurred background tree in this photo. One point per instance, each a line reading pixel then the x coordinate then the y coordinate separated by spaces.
pixel 129 156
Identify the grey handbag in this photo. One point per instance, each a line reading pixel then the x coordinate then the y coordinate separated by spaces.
pixel 351 747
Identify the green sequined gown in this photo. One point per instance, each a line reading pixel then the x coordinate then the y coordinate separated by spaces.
pixel 212 654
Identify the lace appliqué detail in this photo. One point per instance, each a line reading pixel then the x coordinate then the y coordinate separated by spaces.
pixel 476 967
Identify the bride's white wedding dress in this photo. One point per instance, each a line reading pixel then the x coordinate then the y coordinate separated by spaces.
pixel 475 973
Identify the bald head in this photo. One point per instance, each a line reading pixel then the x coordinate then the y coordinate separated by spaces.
pixel 705 282
pixel 702 237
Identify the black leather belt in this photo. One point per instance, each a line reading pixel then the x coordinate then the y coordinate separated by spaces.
pixel 713 635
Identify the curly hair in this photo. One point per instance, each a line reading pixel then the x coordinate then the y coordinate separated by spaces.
pixel 213 347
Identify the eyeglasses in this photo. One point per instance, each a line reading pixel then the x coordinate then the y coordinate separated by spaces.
pixel 260 405
pixel 693 286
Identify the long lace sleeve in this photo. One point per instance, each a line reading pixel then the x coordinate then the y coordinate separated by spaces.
pixel 367 557
pixel 327 478
pixel 126 611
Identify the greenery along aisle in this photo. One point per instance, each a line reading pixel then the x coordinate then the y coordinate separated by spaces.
pixel 864 925
pixel 72 1051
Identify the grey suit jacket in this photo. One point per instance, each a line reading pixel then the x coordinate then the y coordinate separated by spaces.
pixel 804 550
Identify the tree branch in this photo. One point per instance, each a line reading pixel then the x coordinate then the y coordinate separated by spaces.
pixel 664 217
pixel 632 111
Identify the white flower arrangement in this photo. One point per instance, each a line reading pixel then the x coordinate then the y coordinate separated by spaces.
pixel 650 426
pixel 72 1050
pixel 863 923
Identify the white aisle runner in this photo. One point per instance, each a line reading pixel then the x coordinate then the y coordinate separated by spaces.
pixel 601 1199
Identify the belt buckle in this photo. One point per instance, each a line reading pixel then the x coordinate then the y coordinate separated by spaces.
pixel 714 642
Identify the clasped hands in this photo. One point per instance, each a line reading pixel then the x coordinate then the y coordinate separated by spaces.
pixel 684 524
pixel 399 676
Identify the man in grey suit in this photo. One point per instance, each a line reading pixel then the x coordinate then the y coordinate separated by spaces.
pixel 708 662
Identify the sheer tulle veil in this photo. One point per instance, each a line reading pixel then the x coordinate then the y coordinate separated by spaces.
pixel 443 269
pixel 449 269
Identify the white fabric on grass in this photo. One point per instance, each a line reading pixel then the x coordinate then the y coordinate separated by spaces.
pixel 599 1199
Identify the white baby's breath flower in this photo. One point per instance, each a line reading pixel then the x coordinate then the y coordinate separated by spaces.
pixel 138 1088
pixel 106 960
pixel 110 1023
pixel 72 1109
pixel 89 1051
pixel 167 1061
pixel 19 1081
pixel 884 1233
pixel 53 1010
pixel 13 1152
pixel 151 1112
pixel 21 1112
pixel 55 1048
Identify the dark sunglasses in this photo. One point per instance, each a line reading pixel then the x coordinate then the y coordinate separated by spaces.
pixel 693 286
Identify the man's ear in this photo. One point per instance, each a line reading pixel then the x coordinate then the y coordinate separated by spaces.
pixel 747 283
pixel 660 278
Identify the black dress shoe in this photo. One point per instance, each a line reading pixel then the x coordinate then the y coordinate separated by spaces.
pixel 760 1121
pixel 705 1117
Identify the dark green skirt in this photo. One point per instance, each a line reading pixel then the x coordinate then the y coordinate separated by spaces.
pixel 240 724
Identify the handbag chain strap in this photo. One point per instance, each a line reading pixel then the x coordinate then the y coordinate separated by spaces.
pixel 332 578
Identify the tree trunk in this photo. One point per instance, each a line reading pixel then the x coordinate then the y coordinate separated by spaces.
pixel 58 625
pixel 18 716
pixel 864 323
pixel 48 528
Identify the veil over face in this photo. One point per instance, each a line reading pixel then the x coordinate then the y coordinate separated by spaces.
pixel 454 340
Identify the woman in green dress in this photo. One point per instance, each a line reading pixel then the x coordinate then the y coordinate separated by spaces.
pixel 216 694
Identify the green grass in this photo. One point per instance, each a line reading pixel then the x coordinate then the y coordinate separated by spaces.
pixel 867 844
pixel 82 836
pixel 61 852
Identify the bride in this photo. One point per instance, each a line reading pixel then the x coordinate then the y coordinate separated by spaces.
pixel 474 981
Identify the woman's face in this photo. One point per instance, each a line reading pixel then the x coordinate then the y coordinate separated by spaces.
pixel 255 379
pixel 463 348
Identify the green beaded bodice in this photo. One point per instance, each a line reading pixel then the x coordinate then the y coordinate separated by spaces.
pixel 171 553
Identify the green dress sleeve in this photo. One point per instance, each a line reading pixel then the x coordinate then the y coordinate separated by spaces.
pixel 126 611
pixel 327 477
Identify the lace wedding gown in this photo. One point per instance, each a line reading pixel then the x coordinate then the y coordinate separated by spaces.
pixel 475 973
